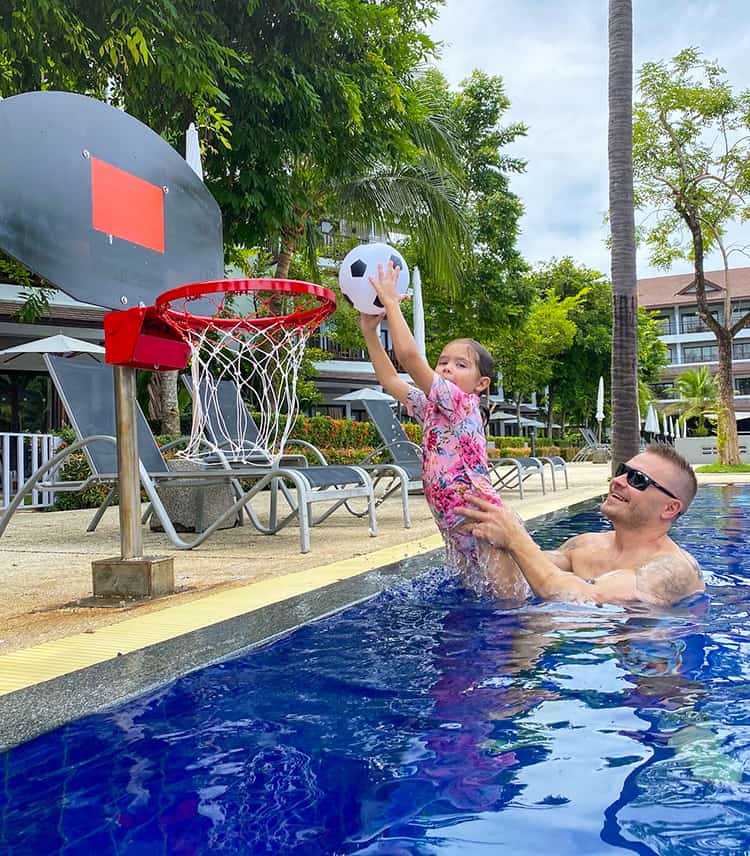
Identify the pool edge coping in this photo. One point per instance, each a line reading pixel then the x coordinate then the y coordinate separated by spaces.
pixel 53 683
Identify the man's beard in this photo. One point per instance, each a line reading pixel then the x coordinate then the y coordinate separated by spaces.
pixel 623 513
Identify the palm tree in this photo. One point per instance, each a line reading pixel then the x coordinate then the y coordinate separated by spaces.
pixel 698 394
pixel 421 197
pixel 625 427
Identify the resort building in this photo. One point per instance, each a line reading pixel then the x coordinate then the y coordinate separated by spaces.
pixel 689 341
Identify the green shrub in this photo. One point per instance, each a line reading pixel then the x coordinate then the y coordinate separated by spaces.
pixel 327 433
pixel 76 468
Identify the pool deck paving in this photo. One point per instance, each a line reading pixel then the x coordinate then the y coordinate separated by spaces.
pixel 50 627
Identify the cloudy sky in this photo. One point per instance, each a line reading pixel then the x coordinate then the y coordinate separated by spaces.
pixel 552 55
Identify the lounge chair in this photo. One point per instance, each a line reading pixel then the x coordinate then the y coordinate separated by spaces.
pixel 231 428
pixel 556 465
pixel 87 392
pixel 592 448
pixel 228 426
pixel 511 473
pixel 403 472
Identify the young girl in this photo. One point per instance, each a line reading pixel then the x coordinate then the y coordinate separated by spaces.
pixel 446 401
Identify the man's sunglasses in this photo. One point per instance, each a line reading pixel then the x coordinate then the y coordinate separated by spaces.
pixel 640 481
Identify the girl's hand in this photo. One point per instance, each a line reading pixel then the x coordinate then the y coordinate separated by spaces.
pixel 385 284
pixel 369 323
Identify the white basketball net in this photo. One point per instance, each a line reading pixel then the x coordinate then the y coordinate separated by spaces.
pixel 244 382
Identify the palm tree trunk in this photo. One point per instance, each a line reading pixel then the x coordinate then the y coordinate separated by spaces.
pixel 625 427
pixel 285 254
pixel 170 411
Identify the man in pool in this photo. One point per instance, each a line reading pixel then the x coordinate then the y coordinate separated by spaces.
pixel 637 562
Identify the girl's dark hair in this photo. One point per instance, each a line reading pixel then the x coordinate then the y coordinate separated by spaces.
pixel 486 366
pixel 485 363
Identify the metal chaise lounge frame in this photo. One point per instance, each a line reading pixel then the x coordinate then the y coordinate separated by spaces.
pixel 511 473
pixel 592 446
pixel 556 464
pixel 320 482
pixel 403 472
pixel 504 472
pixel 94 426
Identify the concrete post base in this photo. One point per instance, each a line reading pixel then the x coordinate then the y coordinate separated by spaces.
pixel 147 577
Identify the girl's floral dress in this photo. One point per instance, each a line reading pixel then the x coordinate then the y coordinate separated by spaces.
pixel 454 454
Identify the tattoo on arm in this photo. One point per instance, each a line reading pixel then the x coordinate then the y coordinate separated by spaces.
pixel 669 579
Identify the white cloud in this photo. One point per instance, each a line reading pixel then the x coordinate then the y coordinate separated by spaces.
pixel 553 59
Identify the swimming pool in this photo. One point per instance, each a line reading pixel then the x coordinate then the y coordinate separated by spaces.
pixel 429 722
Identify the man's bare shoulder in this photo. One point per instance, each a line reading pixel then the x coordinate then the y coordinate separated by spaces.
pixel 669 577
pixel 585 541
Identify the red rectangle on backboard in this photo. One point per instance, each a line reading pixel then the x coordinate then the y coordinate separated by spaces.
pixel 126 206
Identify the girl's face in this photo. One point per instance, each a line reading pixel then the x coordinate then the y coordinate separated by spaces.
pixel 458 363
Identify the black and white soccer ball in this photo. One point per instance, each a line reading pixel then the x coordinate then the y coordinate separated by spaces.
pixel 362 262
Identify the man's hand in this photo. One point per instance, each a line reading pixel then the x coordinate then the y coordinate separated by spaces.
pixel 494 523
pixel 385 285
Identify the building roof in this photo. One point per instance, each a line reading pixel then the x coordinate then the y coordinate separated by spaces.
pixel 679 289
pixel 61 307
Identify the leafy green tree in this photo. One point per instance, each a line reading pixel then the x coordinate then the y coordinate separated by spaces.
pixel 624 372
pixel 576 369
pixel 159 61
pixel 572 386
pixel 527 354
pixel 331 119
pixel 305 107
pixel 692 168
pixel 493 294
pixel 698 393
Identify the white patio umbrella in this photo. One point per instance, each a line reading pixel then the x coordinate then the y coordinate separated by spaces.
pixel 57 344
pixel 664 425
pixel 671 428
pixel 29 356
pixel 367 392
pixel 418 311
pixel 193 151
pixel 600 406
pixel 652 421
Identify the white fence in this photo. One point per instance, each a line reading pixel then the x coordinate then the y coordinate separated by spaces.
pixel 21 455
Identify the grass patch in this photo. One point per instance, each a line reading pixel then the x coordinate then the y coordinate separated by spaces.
pixel 723 468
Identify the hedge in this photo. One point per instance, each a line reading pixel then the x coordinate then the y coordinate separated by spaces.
pixel 342 441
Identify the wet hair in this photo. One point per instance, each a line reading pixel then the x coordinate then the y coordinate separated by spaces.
pixel 486 366
pixel 687 476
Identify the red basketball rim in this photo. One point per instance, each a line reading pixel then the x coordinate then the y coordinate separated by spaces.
pixel 310 316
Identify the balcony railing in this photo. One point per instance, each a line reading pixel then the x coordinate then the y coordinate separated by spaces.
pixel 337 352
pixel 21 455
pixel 693 325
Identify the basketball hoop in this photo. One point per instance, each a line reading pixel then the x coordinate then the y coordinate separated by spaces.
pixel 253 333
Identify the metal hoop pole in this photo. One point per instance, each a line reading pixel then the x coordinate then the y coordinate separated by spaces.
pixel 129 483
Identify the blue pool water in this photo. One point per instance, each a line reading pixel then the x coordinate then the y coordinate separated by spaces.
pixel 427 721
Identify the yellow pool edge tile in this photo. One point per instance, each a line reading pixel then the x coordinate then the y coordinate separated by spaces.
pixel 59 657
pixel 49 660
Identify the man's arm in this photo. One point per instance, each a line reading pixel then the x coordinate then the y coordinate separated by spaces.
pixel 561 556
pixel 669 578
pixel 663 580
